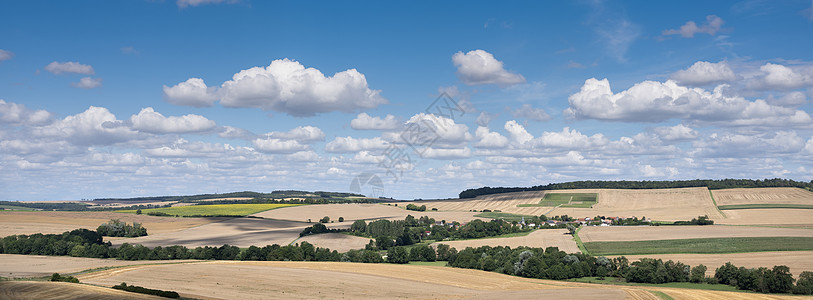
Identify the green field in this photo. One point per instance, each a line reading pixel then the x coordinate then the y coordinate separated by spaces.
pixel 219 210
pixel 503 216
pixel 11 207
pixel 764 206
pixel 710 245
pixel 576 200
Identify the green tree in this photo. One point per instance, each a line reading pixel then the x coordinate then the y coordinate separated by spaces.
pixel 326 219
pixel 341 219
pixel 698 274
pixel 359 226
pixel 397 255
pixel 804 285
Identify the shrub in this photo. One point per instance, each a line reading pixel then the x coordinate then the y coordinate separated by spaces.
pixel 57 277
pixel 142 290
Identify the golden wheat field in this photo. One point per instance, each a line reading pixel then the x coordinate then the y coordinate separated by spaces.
pixel 540 239
pixel 29 222
pixel 310 280
pixel 335 241
pixel 23 266
pixel 763 196
pixel 13 290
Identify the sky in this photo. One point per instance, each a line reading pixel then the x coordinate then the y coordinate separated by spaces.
pixel 418 99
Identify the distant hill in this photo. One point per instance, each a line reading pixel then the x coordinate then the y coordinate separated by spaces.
pixel 709 183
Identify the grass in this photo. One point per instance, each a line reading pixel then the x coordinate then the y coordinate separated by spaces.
pixel 764 206
pixel 579 241
pixel 501 215
pixel 233 210
pixel 585 200
pixel 707 245
pixel 715 205
pixel 661 295
pixel 682 285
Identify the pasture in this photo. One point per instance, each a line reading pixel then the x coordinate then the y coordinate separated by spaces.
pixel 216 210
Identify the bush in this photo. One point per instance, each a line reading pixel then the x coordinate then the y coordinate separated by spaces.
pixel 341 219
pixel 142 290
pixel 118 228
pixel 57 277
pixel 326 219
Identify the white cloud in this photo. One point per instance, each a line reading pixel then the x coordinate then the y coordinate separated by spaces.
pixel 366 157
pixel 228 132
pixel 69 67
pixel 304 156
pixel 278 146
pixel 192 92
pixel 517 132
pixel 488 139
pixel 480 67
pixel 18 114
pixel 303 134
pixel 287 86
pixel 570 139
pixel 650 171
pixel 652 101
pixel 779 77
pixel 618 36
pixel 445 132
pixel 5 55
pixel 365 122
pixel 676 133
pixel 809 146
pixel 189 3
pixel 792 99
pixel 94 126
pixel 446 153
pixel 88 83
pixel 740 145
pixel 688 30
pixel 148 120
pixel 703 73
pixel 351 144
pixel 528 112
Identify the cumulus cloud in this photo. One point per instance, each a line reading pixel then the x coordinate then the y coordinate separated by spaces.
pixel 434 153
pixel 571 139
pixel 148 120
pixel 528 112
pixel 88 83
pixel 192 92
pixel 303 134
pixel 18 114
pixel 779 77
pixel 517 132
pixel 792 99
pixel 741 145
pixel 285 86
pixel 5 55
pixel 484 118
pixel 365 122
pixel 480 67
pixel 650 171
pixel 488 139
pixel 229 132
pixel 678 132
pixel 278 146
pixel 351 144
pixel 94 126
pixel 69 67
pixel 447 133
pixel 688 30
pixel 652 101
pixel 703 73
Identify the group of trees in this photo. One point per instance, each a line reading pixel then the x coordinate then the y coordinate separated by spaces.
pixel 121 229
pixel 415 207
pixel 480 229
pixel 142 290
pixel 700 220
pixel 764 280
pixel 711 184
pixel 60 278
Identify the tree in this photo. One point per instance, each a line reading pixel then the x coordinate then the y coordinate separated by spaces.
pixel 138 212
pixel 397 255
pixel 359 226
pixel 698 274
pixel 804 285
pixel 341 219
pixel 326 219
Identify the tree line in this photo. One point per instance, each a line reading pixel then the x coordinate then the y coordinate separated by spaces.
pixel 629 184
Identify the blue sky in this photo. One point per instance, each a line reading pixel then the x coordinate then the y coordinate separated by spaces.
pixel 138 98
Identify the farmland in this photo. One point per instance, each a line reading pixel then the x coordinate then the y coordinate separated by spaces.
pixel 704 245
pixel 540 239
pixel 798 261
pixel 644 233
pixel 582 200
pixel 29 222
pixel 23 266
pixel 763 196
pixel 352 212
pixel 62 290
pixel 216 210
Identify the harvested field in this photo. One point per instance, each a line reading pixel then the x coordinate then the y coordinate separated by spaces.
pixel 13 290
pixel 231 210
pixel 29 222
pixel 336 241
pixel 776 216
pixel 703 246
pixel 656 204
pixel 24 266
pixel 241 232
pixel 798 261
pixel 506 202
pixel 643 233
pixel 352 212
pixel 308 280
pixel 540 238
pixel 763 196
